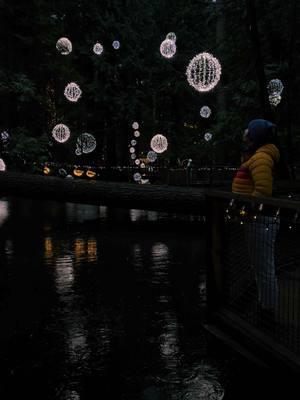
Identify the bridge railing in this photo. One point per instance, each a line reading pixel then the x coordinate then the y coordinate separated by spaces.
pixel 239 276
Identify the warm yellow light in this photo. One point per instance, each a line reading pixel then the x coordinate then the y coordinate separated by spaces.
pixel 78 172
pixel 47 170
pixel 90 174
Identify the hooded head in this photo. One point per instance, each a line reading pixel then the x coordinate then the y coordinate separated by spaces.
pixel 260 132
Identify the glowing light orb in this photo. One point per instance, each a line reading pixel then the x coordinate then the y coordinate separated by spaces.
pixel 159 143
pixel 72 92
pixel 137 162
pixel 86 143
pixel 4 136
pixel 132 150
pixel 208 136
pixel 135 125
pixel 142 165
pixel 98 49
pixel 2 165
pixel 275 87
pixel 137 176
pixel 171 36
pixel 203 72
pixel 205 112
pixel 133 142
pixel 133 156
pixel 168 48
pixel 61 133
pixel 274 99
pixel 78 151
pixel 152 156
pixel 116 44
pixel 137 133
pixel 64 46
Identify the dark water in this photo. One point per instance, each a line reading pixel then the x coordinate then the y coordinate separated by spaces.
pixel 106 304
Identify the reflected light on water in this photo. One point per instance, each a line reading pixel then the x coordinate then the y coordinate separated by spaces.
pixel 92 250
pixel 4 211
pixel 48 248
pixel 64 274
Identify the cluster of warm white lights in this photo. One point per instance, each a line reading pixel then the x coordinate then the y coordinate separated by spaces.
pixel 72 92
pixel 135 125
pixel 168 48
pixel 116 44
pixel 61 133
pixel 205 112
pixel 137 176
pixel 275 88
pixel 203 72
pixel 98 49
pixel 151 156
pixel 64 46
pixel 2 165
pixel 86 143
pixel 159 143
pixel 208 136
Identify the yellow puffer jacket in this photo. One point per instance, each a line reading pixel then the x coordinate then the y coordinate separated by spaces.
pixel 255 176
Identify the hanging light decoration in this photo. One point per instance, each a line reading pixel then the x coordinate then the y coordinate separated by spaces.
pixel 4 136
pixel 159 143
pixel 133 156
pixel 133 142
pixel 274 99
pixel 116 44
pixel 61 133
pixel 131 150
pixel 137 162
pixel 90 173
pixel 152 156
pixel 86 143
pixel 2 165
pixel 78 151
pixel 135 125
pixel 203 72
pixel 78 172
pixel 72 92
pixel 98 49
pixel 168 48
pixel 137 133
pixel 137 176
pixel 205 112
pixel 171 36
pixel 208 136
pixel 64 46
pixel 142 165
pixel 275 86
pixel 46 170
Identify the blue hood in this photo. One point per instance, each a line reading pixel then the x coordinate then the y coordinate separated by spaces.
pixel 260 132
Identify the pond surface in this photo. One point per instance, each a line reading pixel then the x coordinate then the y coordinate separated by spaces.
pixel 101 303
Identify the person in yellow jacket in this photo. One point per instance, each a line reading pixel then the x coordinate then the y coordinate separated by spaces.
pixel 255 178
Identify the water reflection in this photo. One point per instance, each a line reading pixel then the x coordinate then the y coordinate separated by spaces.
pixel 4 211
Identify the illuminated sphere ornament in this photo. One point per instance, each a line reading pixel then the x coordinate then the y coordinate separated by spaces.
pixel 132 150
pixel 135 125
pixel 142 165
pixel 208 136
pixel 61 133
pixel 168 48
pixel 133 142
pixel 133 156
pixel 137 161
pixel 86 143
pixel 4 136
pixel 137 133
pixel 171 36
pixel 2 165
pixel 205 112
pixel 203 72
pixel 72 92
pixel 98 49
pixel 116 44
pixel 274 99
pixel 159 143
pixel 152 156
pixel 275 87
pixel 64 46
pixel 137 176
pixel 78 151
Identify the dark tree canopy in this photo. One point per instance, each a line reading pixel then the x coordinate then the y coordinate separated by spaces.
pixel 255 41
